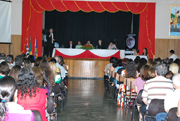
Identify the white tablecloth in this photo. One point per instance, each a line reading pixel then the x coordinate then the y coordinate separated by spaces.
pixel 97 52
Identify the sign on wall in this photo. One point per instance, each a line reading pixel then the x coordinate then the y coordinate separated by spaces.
pixel 174 25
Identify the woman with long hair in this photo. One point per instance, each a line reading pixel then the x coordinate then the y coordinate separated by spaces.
pixel 44 65
pixel 15 72
pixel 30 96
pixel 145 52
pixel 8 98
pixel 57 80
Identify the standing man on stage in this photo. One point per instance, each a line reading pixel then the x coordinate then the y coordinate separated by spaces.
pixel 50 42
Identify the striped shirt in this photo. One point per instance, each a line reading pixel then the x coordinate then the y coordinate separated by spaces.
pixel 157 88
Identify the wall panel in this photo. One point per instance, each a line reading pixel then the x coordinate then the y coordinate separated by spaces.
pixel 15 48
pixel 163 46
pixel 86 67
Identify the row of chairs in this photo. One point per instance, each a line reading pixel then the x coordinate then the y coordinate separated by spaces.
pixel 128 96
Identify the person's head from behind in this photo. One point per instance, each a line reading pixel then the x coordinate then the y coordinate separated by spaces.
pixel 44 65
pixel 26 84
pixel 15 72
pixel 38 61
pixel 27 64
pixel 174 68
pixel 79 43
pixel 172 52
pixel 130 69
pixel 99 42
pixel 70 42
pixel 119 62
pixel 176 81
pixel 53 60
pixel 161 69
pixel 144 72
pixel 9 59
pixel 53 67
pixel 31 59
pixel 112 59
pixel 151 73
pixel 169 75
pixel 7 93
pixel 4 68
pixel 19 60
pixel 38 72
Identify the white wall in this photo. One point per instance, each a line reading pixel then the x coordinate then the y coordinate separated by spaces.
pixel 16 17
pixel 162 15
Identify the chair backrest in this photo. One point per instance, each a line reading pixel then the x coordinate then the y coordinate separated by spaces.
pixel 25 115
pixel 139 97
pixel 156 106
pixel 171 116
pixel 130 81
pixel 37 115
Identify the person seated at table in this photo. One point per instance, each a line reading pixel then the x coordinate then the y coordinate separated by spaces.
pixel 112 46
pixel 79 45
pixel 136 52
pixel 9 109
pixel 99 46
pixel 70 45
pixel 88 44
pixel 145 52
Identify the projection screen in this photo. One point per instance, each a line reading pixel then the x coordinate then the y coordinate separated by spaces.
pixel 5 22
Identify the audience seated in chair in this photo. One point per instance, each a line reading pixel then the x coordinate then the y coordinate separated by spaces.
pixel 15 72
pixel 106 71
pixel 171 99
pixel 30 96
pixel 4 69
pixel 156 88
pixel 9 109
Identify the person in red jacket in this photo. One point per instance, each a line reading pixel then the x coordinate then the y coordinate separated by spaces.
pixel 30 96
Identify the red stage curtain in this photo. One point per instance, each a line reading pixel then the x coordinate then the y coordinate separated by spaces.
pixel 32 18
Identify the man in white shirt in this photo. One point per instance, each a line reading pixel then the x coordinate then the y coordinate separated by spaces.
pixel 171 99
pixel 173 56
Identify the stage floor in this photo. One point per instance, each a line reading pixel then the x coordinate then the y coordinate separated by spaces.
pixel 88 101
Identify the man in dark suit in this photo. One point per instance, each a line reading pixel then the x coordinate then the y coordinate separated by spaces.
pixel 70 45
pixel 50 42
pixel 99 46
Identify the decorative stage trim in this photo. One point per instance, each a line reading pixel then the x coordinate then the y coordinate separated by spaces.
pixel 32 18
pixel 96 53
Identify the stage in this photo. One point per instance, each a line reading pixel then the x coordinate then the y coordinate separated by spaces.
pixel 87 63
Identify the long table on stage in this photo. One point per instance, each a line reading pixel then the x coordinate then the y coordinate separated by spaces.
pixel 94 53
pixel 87 63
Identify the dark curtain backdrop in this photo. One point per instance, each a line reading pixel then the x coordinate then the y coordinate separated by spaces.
pixel 82 26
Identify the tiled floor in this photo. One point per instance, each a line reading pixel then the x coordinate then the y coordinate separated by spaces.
pixel 87 101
